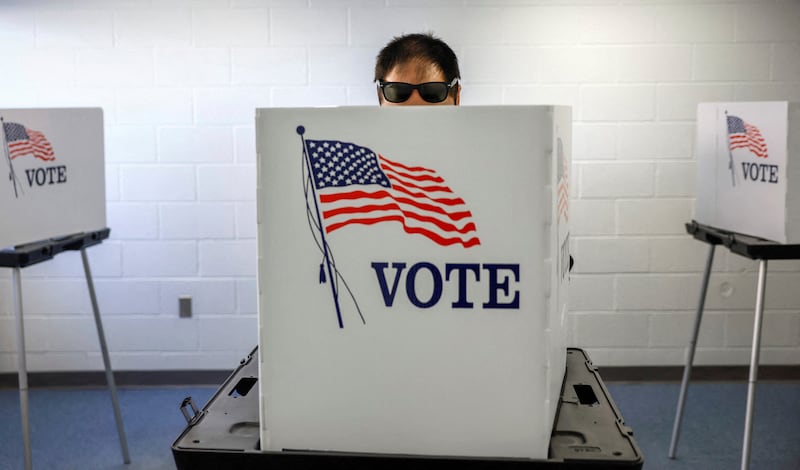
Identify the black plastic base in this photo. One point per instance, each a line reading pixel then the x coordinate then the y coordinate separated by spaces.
pixel 32 253
pixel 589 432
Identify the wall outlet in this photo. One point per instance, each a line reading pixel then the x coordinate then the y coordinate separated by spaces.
pixel 185 306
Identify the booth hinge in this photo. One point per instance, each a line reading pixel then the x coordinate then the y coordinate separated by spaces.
pixel 195 415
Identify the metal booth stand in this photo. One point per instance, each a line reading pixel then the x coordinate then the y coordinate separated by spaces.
pixel 33 253
pixel 753 248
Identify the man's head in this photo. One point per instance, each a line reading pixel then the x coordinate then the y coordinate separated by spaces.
pixel 417 59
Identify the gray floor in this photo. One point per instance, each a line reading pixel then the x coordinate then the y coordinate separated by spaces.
pixel 75 429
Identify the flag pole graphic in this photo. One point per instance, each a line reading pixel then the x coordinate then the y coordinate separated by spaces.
pixel 730 152
pixel 301 131
pixel 11 174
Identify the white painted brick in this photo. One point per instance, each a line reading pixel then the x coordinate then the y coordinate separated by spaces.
pixel 130 144
pixel 159 27
pixel 177 360
pixel 655 140
pixel 768 92
pixel 509 64
pixel 192 66
pixel 732 62
pixel 655 63
pixel 208 297
pixel 112 4
pixel 610 255
pixel 680 254
pixel 158 183
pixel 653 217
pixel 679 102
pixel 35 334
pixel 195 144
pixel 269 66
pixel 768 22
pixel 159 258
pixel 246 296
pixel 244 139
pixel 6 307
pixel 154 106
pixel 227 333
pixel 617 180
pixel 228 258
pixel 592 217
pixel 781 265
pixel 657 292
pixel 782 290
pixel 472 95
pixel 246 226
pixel 366 31
pixel 448 23
pixel 603 357
pixel 45 361
pixel 18 98
pixel 611 329
pixel 72 29
pixel 338 66
pixel 694 23
pixel 777 329
pixel 229 105
pixel 226 27
pixel 591 292
pixel 786 64
pixel 196 221
pixel 114 67
pixel 618 103
pixel 52 296
pixel 675 179
pixel 151 334
pixel 106 259
pixel 130 221
pixel 566 95
pixel 278 3
pixel 38 67
pixel 303 26
pixel 226 183
pixel 367 95
pixel 731 291
pixel 80 97
pixel 594 141
pixel 304 96
pixel 112 183
pixel 127 297
pixel 8 337
pixel 18 26
pixel 675 329
pixel 545 25
pixel 577 64
pixel 618 24
pixel 71 335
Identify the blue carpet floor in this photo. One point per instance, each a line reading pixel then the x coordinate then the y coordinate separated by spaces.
pixel 75 428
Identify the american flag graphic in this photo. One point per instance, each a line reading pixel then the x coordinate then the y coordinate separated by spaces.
pixel 746 136
pixel 22 141
pixel 357 186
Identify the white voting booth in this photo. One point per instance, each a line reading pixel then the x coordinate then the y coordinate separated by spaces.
pixel 52 199
pixel 748 168
pixel 413 274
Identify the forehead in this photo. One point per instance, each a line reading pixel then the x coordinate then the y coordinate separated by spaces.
pixel 415 72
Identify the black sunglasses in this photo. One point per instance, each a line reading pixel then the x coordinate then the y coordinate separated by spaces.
pixel 432 92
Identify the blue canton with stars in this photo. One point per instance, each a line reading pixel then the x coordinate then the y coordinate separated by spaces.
pixel 337 164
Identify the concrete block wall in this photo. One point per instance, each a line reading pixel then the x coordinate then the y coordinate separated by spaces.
pixel 179 80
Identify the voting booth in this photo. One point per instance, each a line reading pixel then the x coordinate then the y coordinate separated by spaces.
pixel 413 274
pixel 748 168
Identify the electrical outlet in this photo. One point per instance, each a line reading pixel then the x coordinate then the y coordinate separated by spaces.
pixel 185 306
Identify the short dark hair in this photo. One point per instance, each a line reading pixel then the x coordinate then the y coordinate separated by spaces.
pixel 422 47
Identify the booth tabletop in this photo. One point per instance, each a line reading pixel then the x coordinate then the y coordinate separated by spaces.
pixel 36 252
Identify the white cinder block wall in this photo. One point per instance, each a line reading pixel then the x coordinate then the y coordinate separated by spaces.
pixel 179 81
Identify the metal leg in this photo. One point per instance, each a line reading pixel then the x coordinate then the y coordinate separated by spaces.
pixel 751 382
pixel 22 367
pixel 687 370
pixel 106 360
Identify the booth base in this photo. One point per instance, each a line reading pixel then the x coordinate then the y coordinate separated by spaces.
pixel 588 432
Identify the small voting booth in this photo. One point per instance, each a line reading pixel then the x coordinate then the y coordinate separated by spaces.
pixel 52 199
pixel 748 168
pixel 413 274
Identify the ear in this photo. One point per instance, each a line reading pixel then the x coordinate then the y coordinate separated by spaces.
pixel 457 95
pixel 380 96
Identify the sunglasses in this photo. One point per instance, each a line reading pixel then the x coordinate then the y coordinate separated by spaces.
pixel 432 92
